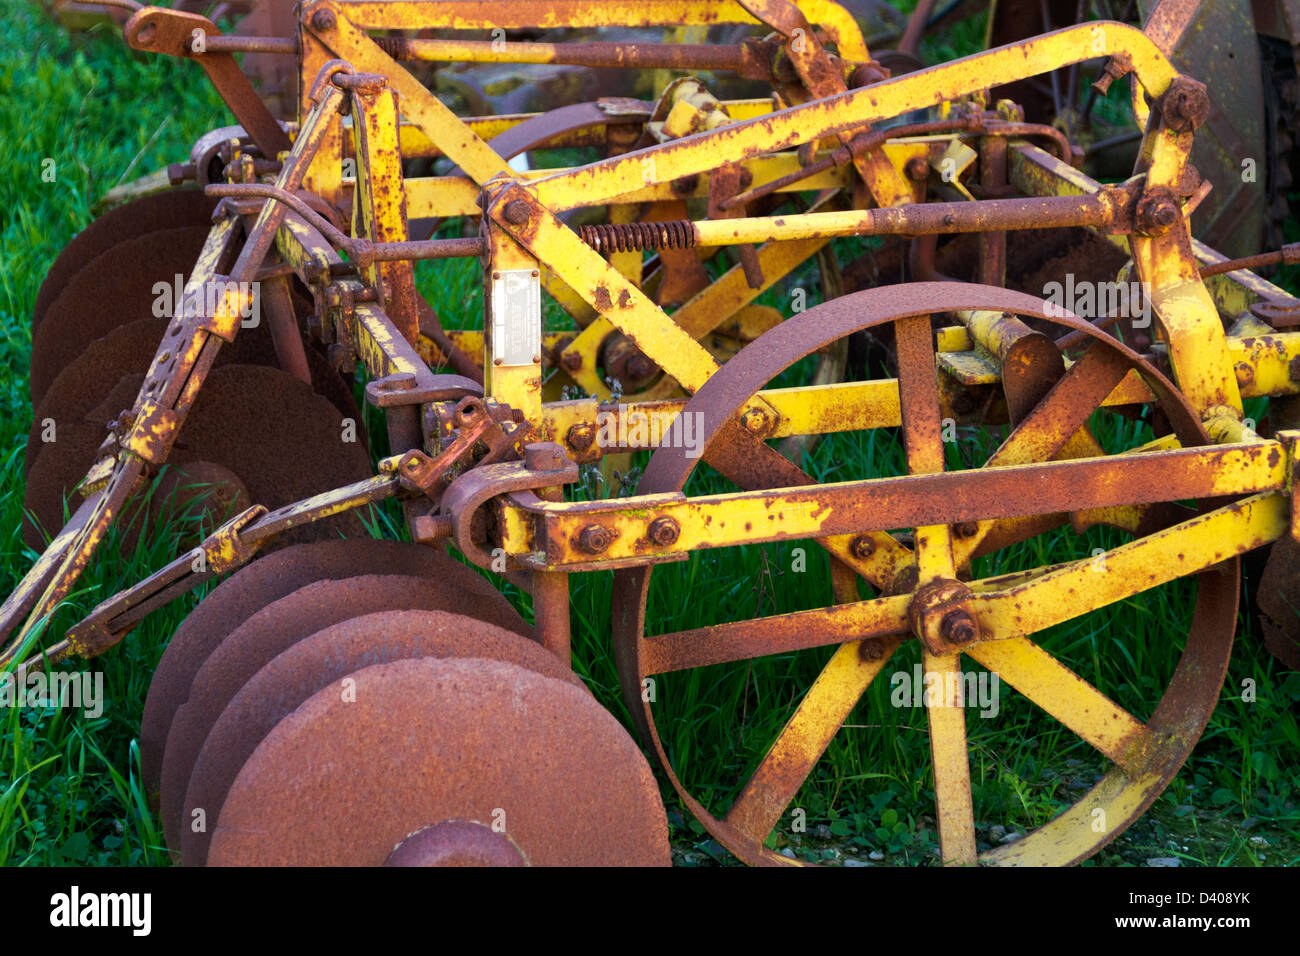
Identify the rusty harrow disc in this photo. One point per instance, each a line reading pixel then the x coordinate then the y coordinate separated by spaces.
pixel 343 780
pixel 114 288
pixel 93 389
pixel 1279 602
pixel 280 456
pixel 313 663
pixel 172 209
pixel 267 580
pixel 271 630
pixel 1144 757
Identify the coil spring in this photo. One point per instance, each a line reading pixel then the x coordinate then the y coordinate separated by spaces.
pixel 636 236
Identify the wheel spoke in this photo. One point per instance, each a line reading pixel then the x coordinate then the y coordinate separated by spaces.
pixel 778 634
pixel 804 738
pixel 918 389
pixel 951 763
pixel 1069 698
pixel 1056 419
pixel 752 465
pixel 1083 586
pixel 918 397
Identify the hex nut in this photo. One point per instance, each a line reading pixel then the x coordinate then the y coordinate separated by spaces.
pixel 862 547
pixel 594 539
pixel 959 627
pixel 664 531
pixel 580 437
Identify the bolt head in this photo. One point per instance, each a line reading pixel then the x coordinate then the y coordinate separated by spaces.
pixel 572 361
pixel 1185 105
pixel 664 531
pixel 543 456
pixel 917 169
pixel 958 627
pixel 516 212
pixel 323 20
pixel 594 539
pixel 580 437
pixel 862 547
pixel 639 367
pixel 754 421
pixel 685 185
pixel 1156 214
pixel 872 649
pixel 966 529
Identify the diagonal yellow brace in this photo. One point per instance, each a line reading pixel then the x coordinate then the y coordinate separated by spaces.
pixel 456 140
pixel 602 182
pixel 600 284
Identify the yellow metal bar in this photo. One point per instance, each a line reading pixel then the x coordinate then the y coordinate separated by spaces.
pixel 727 520
pixel 802 741
pixel 805 410
pixel 946 714
pixel 445 128
pixel 612 178
pixel 1066 696
pixel 1132 568
pixel 379 204
pixel 508 15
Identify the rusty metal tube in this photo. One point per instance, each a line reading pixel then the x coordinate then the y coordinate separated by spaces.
pixel 287 46
pixel 598 54
pixel 1053 212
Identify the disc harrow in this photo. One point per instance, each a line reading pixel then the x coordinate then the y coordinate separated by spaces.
pixel 350 701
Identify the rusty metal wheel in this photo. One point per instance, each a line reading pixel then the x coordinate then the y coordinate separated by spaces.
pixel 311 664
pixel 271 630
pixel 460 761
pixel 1140 755
pixel 272 577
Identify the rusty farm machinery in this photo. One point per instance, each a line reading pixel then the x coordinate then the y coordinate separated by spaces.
pixel 343 699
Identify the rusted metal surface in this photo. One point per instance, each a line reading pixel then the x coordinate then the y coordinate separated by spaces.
pixel 171 33
pixel 264 582
pixel 294 674
pixel 720 397
pixel 456 439
pixel 456 843
pixel 267 632
pixel 1279 601
pixel 173 209
pixel 333 785
pixel 115 288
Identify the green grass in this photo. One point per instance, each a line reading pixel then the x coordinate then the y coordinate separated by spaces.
pixel 70 791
